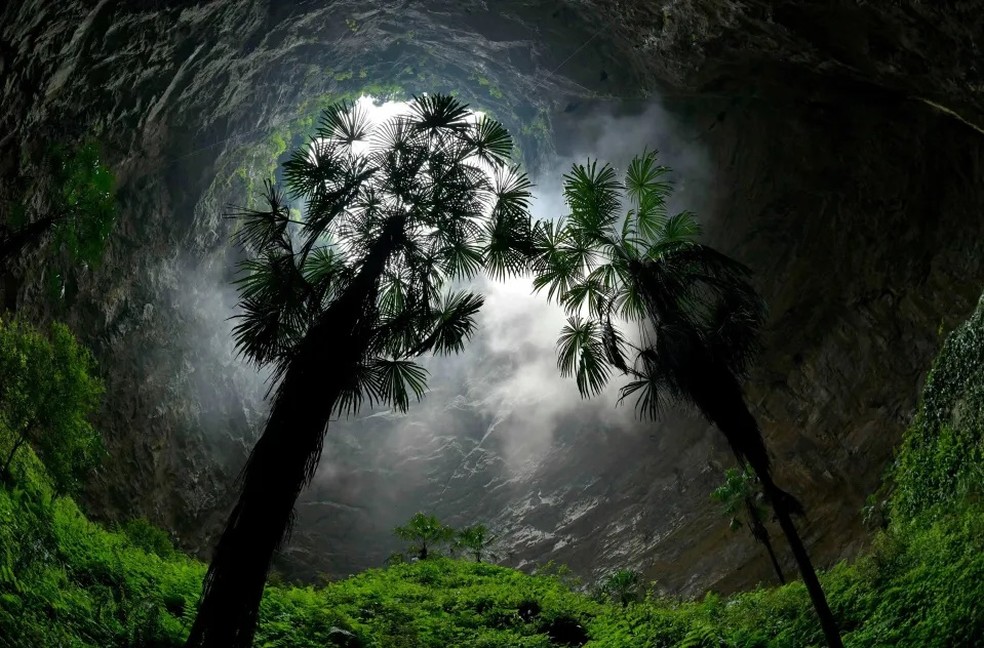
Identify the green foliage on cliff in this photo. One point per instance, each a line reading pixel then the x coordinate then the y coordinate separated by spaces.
pixel 71 212
pixel 87 198
pixel 941 461
pixel 258 161
pixel 65 581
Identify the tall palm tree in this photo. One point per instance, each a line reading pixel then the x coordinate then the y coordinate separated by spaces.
pixel 698 317
pixel 341 301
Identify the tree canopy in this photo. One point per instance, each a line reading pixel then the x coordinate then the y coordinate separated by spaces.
pixel 74 211
pixel 48 394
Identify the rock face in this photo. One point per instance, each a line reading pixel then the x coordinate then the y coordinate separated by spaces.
pixel 846 157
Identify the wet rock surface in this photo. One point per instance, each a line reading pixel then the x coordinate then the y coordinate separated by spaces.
pixel 847 154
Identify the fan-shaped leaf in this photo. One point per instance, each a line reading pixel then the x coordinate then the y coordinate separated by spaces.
pixel 581 353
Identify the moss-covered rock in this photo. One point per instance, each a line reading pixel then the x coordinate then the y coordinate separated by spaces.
pixel 941 460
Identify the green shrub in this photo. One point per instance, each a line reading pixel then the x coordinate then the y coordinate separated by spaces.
pixel 47 395
pixel 941 461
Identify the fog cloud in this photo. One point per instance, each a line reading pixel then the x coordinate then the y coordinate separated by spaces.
pixel 492 413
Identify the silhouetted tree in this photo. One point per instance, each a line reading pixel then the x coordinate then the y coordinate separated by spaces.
pixel 739 496
pixel 424 532
pixel 698 317
pixel 341 302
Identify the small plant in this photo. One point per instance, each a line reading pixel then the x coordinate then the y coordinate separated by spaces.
pixel 425 533
pixel 475 540
pixel 623 587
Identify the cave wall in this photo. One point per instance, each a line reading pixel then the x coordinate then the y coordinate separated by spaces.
pixel 846 143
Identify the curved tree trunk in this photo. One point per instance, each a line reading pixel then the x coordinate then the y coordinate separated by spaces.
pixel 720 398
pixel 759 532
pixel 277 470
pixel 283 461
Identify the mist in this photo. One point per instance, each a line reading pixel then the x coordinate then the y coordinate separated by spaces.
pixel 488 430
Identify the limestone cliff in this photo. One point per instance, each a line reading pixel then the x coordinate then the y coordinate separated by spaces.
pixel 847 151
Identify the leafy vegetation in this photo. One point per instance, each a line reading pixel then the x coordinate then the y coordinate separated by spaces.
pixel 741 498
pixel 66 581
pixel 941 461
pixel 47 394
pixel 87 202
pixel 76 212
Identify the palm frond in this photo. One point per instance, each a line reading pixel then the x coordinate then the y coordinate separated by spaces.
pixel 649 390
pixel 314 168
pixel 453 323
pixel 682 227
pixel 263 230
pixel 613 343
pixel 593 195
pixel 491 141
pixel 508 236
pixel 556 268
pixel 581 353
pixel 361 385
pixel 323 268
pixel 648 186
pixel 398 380
pixel 461 259
pixel 590 293
pixel 439 112
pixel 344 122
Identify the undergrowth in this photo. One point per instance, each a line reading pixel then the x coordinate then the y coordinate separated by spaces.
pixel 65 581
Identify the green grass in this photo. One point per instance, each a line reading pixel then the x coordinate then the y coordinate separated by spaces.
pixel 65 581
pixel 71 582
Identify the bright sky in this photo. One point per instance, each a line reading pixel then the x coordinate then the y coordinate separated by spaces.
pixel 379 113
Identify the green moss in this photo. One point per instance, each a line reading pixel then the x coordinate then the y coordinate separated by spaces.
pixel 941 460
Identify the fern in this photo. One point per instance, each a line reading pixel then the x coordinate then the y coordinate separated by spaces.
pixel 702 636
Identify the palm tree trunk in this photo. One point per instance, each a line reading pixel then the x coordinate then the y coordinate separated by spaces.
pixel 283 461
pixel 720 398
pixel 277 470
pixel 809 574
